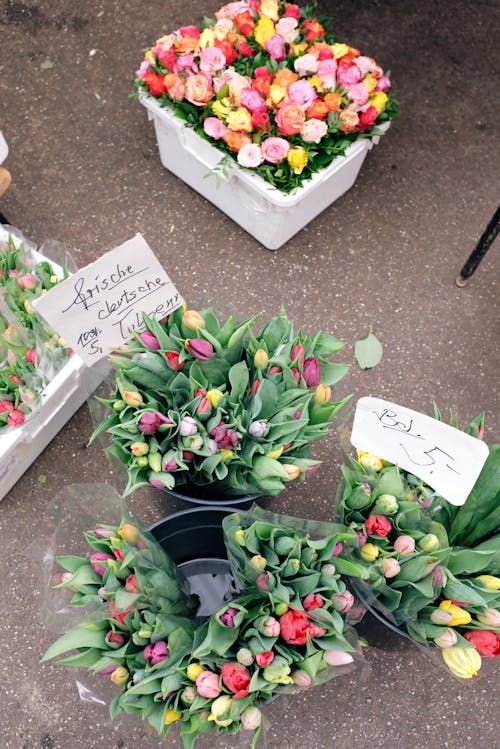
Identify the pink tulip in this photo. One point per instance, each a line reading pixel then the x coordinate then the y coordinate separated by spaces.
pixel 337 657
pixel 227 617
pixel 207 685
pixel 31 356
pixel 200 349
pixel 95 562
pixel 312 372
pixel 27 281
pixel 15 418
pixel 342 602
pixel 150 340
pixel 156 653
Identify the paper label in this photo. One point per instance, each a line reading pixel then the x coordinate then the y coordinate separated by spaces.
pixel 442 456
pixel 99 307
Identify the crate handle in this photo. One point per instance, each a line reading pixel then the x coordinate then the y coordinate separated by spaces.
pixel 186 136
pixel 35 430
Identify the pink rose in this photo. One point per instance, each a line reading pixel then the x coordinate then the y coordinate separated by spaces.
pixel 358 93
pixel 327 74
pixel 290 119
pixel 306 65
pixel 143 69
pixel 313 131
pixel 199 89
pixel 250 155
pixel 252 100
pixel 365 64
pixel 348 75
pixel 383 84
pixel 349 121
pixel 186 62
pixel 287 29
pixel 231 10
pixel 192 31
pixel 214 128
pixel 276 48
pixel 301 92
pixel 211 60
pixel 207 685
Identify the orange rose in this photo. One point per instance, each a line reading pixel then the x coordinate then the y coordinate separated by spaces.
pixel 290 119
pixel 318 110
pixel 354 52
pixel 349 119
pixel 174 86
pixel 333 102
pixel 285 77
pixel 186 44
pixel 236 140
pixel 313 29
pixel 199 90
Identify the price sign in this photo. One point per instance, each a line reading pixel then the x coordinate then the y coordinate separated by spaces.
pixel 99 307
pixel 447 459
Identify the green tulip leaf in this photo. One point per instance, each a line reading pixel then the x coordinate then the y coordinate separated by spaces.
pixel 368 351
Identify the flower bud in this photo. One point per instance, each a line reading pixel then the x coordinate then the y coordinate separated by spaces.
pixel 142 461
pixel 258 428
pixel 298 352
pixel 196 442
pixel 447 640
pixel 337 657
pixel 154 460
pixel 459 615
pixel 139 448
pixel 441 617
pixel 292 470
pixel 404 545
pixel 362 538
pixel 491 618
pixel 284 545
pixel 214 396
pixel 258 562
pixel 220 710
pixel 313 601
pixel 369 552
pixel 291 567
pixel 119 676
pixel 227 617
pixel 239 537
pixel 251 718
pixel 28 281
pixel 204 407
pixel 173 361
pixel 280 608
pixel 188 426
pixel 171 716
pixel 312 372
pixel 490 581
pixel 342 602
pixel 115 640
pixel 462 662
pixel 301 678
pixel 119 405
pixel 31 356
pixel 429 542
pixel 328 570
pixel 275 454
pixel 270 627
pixel 322 394
pixel 132 398
pixel 129 533
pixel 194 670
pixel 193 320
pixel 150 340
pixel 131 584
pixel 200 349
pixel 261 359
pixel 274 370
pixel 188 695
pixel 245 657
pixel 99 562
pixel 370 462
pixel 104 533
pixel 386 504
pixel 144 633
pixel 390 567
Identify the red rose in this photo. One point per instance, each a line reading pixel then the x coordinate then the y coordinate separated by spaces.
pixel 345 60
pixel 260 121
pixel 192 31
pixel 265 658
pixel 294 626
pixel 227 49
pixel 155 83
pixel 486 642
pixel 367 119
pixel 236 678
pixel 244 23
pixel 262 72
pixel 292 11
pixel 313 29
pixel 168 58
pixel 324 54
pixel 378 525
pixel 245 49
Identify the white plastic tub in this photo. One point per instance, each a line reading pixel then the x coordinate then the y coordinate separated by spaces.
pixel 268 214
pixel 63 396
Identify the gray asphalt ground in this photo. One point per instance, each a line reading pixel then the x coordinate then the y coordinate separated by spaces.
pixel 86 171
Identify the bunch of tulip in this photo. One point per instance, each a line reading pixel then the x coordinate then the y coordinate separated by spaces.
pixel 30 352
pixel 268 84
pixel 423 556
pixel 213 405
pixel 209 675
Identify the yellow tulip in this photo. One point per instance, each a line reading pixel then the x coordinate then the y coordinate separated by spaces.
pixel 193 320
pixel 194 670
pixel 315 82
pixel 462 662
pixel 171 716
pixel 490 581
pixel 370 461
pixel 240 119
pixel 214 396
pixel 292 470
pixel 322 394
pixel 269 8
pixel 261 359
pixel 460 616
pixel 132 398
pixel 129 533
pixel 221 108
pixel 369 552
pixel 275 454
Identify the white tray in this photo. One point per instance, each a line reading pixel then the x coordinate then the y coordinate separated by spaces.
pixel 63 396
pixel 268 214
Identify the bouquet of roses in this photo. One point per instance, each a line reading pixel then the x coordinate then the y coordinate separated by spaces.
pixel 203 404
pixel 214 674
pixel 421 555
pixel 30 352
pixel 269 85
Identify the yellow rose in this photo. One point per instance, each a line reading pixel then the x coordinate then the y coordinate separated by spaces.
pixel 221 108
pixel 240 119
pixel 297 158
pixel 275 454
pixel 462 662
pixel 370 82
pixel 369 552
pixel 277 93
pixel 460 616
pixel 207 38
pixel 370 461
pixel 194 670
pixel 220 31
pixel 379 101
pixel 213 396
pixel 490 581
pixel 149 56
pixel 339 50
pixel 171 716
pixel 315 82
pixel 298 49
pixel 264 30
pixel 269 8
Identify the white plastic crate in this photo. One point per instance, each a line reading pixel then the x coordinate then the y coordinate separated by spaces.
pixel 4 148
pixel 268 214
pixel 63 396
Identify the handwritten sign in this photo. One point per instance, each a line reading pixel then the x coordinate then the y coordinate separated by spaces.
pixel 442 456
pixel 99 307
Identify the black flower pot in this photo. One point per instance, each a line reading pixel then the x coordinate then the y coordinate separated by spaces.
pixel 194 540
pixel 211 496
